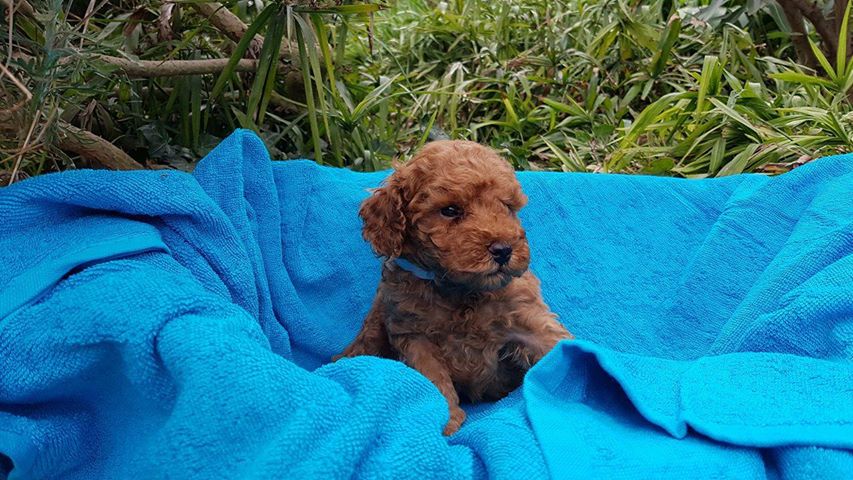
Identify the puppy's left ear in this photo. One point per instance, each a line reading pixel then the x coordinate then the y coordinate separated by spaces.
pixel 384 219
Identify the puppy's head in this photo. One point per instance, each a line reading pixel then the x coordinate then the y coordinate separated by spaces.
pixel 453 210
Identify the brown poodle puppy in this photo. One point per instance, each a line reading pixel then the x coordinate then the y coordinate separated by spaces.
pixel 456 301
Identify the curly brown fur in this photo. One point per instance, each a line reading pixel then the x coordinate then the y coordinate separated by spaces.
pixel 480 324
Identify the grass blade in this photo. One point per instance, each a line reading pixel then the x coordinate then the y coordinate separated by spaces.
pixel 341 9
pixel 649 115
pixel 841 54
pixel 267 67
pixel 322 36
pixel 801 78
pixel 325 51
pixel 562 157
pixel 312 40
pixel 668 39
pixel 309 96
pixel 730 112
pixel 821 58
pixel 195 105
pixel 709 70
pixel 371 98
pixel 341 41
pixel 511 116
pixel 739 162
pixel 718 151
pixel 240 50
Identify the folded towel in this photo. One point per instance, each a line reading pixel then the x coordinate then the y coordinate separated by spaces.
pixel 166 325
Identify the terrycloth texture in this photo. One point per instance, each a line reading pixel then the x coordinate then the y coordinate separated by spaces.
pixel 164 325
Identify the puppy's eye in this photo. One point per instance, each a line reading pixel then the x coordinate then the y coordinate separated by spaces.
pixel 451 211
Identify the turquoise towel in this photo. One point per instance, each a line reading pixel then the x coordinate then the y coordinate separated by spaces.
pixel 165 325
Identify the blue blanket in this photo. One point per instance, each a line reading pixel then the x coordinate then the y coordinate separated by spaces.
pixel 164 325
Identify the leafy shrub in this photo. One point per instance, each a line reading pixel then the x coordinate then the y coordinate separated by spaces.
pixel 669 87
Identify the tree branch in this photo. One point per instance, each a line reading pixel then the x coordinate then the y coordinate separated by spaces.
pixel 94 148
pixel 22 6
pixel 841 8
pixel 811 11
pixel 838 8
pixel 90 147
pixel 799 36
pixel 164 21
pixel 234 28
pixel 172 68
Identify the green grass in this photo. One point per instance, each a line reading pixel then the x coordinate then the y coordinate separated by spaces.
pixel 602 86
pixel 662 87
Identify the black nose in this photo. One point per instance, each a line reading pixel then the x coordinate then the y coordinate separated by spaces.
pixel 501 252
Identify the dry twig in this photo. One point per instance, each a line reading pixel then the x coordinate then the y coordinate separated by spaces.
pixel 234 28
pixel 172 68
pixel 95 149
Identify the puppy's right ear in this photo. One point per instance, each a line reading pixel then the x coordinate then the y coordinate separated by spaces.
pixel 384 219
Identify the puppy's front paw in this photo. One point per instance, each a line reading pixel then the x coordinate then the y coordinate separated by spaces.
pixel 353 350
pixel 457 416
pixel 347 353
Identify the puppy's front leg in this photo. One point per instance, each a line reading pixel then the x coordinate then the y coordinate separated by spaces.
pixel 422 355
pixel 535 337
pixel 373 338
pixel 550 335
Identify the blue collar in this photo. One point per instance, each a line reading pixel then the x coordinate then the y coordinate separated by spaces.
pixel 414 269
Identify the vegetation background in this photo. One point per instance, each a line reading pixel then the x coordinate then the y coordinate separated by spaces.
pixel 691 88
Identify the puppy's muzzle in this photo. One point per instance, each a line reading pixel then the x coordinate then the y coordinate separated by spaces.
pixel 501 252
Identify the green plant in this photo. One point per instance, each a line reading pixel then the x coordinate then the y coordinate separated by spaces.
pixel 666 87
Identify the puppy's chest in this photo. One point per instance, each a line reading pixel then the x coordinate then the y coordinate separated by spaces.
pixel 456 324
